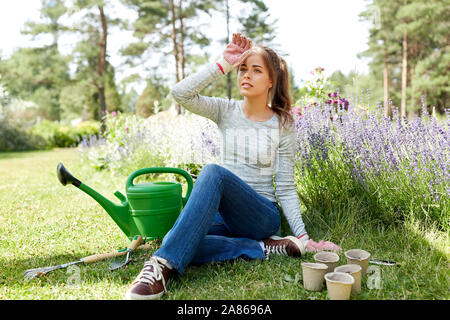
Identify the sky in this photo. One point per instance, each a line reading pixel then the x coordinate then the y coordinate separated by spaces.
pixel 311 33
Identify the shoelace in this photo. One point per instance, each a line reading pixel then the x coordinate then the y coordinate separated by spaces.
pixel 150 276
pixel 278 249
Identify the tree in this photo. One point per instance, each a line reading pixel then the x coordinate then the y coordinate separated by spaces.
pixel 425 22
pixel 257 25
pixel 151 98
pixel 51 13
pixel 162 21
pixel 39 74
pixel 383 45
pixel 409 46
pixel 91 52
pixel 404 65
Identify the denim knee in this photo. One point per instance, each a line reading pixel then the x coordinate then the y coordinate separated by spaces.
pixel 212 169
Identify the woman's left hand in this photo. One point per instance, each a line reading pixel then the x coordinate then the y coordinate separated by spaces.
pixel 312 246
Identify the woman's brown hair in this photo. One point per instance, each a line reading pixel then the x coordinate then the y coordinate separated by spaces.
pixel 280 98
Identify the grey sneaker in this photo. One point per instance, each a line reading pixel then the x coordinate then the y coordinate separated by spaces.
pixel 151 282
pixel 288 246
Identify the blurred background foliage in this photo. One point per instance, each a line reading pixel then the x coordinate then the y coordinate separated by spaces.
pixel 50 99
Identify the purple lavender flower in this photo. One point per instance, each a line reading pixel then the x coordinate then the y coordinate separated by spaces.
pixel 407 157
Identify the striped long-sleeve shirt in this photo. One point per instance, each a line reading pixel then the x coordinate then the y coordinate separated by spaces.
pixel 254 151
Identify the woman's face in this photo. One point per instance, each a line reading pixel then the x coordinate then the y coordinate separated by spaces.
pixel 253 77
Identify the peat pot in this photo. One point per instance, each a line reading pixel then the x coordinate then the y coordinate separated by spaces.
pixel 355 271
pixel 329 258
pixel 313 275
pixel 339 285
pixel 360 257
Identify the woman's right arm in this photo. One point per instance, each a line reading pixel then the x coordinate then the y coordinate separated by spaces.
pixel 186 93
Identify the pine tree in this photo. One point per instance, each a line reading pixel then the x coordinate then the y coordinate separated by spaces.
pixel 39 74
pixel 425 22
pixel 169 27
pixel 91 53
pixel 411 47
pixel 383 46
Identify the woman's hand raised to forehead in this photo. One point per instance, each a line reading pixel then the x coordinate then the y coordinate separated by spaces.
pixel 238 50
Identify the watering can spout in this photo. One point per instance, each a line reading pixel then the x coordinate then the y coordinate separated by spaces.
pixel 118 212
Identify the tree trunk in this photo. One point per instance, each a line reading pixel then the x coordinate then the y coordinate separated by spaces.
pixel 413 102
pixel 101 68
pixel 404 74
pixel 387 107
pixel 228 41
pixel 180 11
pixel 181 39
pixel 175 49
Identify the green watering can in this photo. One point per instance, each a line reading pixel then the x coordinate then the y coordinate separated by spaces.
pixel 149 210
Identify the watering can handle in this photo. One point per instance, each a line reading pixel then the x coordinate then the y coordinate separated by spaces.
pixel 186 175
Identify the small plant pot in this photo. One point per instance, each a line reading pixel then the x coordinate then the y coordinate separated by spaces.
pixel 329 258
pixel 313 275
pixel 339 285
pixel 355 271
pixel 360 257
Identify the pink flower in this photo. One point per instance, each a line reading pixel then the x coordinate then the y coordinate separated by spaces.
pixel 297 110
pixel 319 69
pixel 113 114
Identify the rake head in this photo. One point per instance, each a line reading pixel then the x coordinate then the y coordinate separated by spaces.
pixel 31 273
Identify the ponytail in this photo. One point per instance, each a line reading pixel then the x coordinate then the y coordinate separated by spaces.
pixel 279 99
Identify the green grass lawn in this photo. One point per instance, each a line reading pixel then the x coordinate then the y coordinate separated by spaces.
pixel 43 223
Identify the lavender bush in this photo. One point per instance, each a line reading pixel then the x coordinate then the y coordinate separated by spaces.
pixel 349 165
pixel 132 143
pixel 388 170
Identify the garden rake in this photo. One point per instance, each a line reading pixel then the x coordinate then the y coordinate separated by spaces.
pixel 31 273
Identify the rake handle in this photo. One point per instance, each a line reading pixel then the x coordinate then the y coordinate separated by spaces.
pixel 109 255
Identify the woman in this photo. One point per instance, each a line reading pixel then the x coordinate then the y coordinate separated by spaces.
pixel 232 210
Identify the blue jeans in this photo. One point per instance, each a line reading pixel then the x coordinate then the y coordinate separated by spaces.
pixel 223 219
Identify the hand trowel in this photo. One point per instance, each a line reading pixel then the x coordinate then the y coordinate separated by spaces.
pixel 133 245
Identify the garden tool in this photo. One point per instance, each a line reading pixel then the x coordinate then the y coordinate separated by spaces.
pixel 149 210
pixel 382 262
pixel 31 273
pixel 133 245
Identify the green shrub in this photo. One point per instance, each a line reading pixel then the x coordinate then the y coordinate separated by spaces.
pixel 62 135
pixel 87 128
pixel 15 138
pixel 131 143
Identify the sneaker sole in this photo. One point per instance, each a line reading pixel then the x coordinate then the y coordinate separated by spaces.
pixel 134 296
pixel 298 242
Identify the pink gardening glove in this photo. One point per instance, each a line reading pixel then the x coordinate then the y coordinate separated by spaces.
pixel 312 246
pixel 238 50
